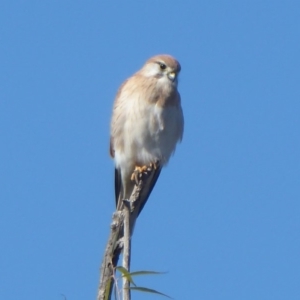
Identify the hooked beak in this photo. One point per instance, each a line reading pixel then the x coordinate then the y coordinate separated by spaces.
pixel 172 76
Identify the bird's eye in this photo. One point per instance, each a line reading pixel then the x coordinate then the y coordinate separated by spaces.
pixel 162 66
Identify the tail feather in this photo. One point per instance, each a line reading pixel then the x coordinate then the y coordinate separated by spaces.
pixel 148 185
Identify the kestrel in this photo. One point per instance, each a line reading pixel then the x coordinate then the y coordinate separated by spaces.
pixel 147 123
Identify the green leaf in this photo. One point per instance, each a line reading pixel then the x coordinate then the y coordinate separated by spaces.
pixel 137 273
pixel 146 290
pixel 107 289
pixel 126 274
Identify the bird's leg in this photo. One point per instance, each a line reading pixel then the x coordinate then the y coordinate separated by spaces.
pixel 139 171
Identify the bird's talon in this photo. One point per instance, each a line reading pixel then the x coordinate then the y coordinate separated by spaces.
pixel 139 171
pixel 135 176
pixel 132 176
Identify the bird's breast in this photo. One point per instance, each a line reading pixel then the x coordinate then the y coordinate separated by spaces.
pixel 152 134
pixel 150 127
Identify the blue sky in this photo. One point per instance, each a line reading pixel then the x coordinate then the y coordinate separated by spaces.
pixel 223 219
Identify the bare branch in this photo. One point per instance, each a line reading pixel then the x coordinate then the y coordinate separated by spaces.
pixel 115 245
pixel 127 249
pixel 111 257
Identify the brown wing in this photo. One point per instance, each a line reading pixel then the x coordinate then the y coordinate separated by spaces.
pixel 118 185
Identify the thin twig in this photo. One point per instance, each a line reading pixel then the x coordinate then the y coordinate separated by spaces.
pixel 127 249
pixel 110 259
pixel 114 247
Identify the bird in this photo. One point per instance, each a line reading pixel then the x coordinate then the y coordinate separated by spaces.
pixel 146 125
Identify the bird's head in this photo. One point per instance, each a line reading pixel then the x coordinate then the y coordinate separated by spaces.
pixel 163 67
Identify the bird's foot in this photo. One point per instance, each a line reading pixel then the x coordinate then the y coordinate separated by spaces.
pixel 140 171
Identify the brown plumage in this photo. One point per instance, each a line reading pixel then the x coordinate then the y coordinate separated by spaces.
pixel 147 123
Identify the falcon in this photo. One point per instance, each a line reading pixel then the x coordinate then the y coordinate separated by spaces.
pixel 147 123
